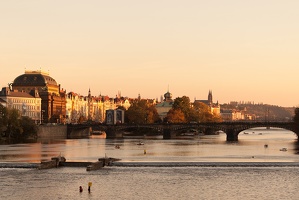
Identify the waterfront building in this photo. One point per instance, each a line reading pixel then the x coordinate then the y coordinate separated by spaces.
pixel 236 111
pixel 232 115
pixel 92 108
pixel 76 108
pixel 122 102
pixel 214 107
pixel 28 104
pixel 53 100
pixel 164 106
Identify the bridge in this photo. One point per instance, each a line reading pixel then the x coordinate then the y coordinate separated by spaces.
pixel 169 130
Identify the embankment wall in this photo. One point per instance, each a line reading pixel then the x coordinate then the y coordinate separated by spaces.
pixel 52 131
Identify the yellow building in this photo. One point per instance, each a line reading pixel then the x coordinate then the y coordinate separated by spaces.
pixel 29 104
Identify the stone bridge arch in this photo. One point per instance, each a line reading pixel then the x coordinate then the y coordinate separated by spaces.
pixel 232 129
pixel 116 131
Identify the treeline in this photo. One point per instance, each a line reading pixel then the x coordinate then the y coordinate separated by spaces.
pixel 264 112
pixel 14 127
pixel 182 111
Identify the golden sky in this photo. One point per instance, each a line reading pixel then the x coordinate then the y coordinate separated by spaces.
pixel 241 50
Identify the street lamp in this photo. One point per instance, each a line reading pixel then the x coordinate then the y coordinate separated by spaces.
pixel 41 118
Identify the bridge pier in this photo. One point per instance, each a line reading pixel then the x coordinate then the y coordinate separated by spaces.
pixel 231 135
pixel 112 133
pixel 168 134
pixel 75 132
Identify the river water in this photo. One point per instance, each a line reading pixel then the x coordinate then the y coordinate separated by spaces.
pixel 156 182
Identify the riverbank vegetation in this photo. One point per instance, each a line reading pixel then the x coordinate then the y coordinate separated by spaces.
pixel 262 112
pixel 182 111
pixel 141 112
pixel 14 127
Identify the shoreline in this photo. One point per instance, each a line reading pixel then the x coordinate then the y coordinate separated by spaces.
pixel 162 164
pixel 205 164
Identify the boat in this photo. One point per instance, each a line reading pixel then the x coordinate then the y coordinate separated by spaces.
pixel 191 132
pixel 97 132
pixel 283 149
pixel 219 132
pixel 140 143
pixel 187 134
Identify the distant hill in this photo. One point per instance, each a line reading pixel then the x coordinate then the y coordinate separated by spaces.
pixel 264 112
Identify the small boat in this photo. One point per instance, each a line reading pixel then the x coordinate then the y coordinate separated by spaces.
pixel 97 132
pixel 187 134
pixel 283 149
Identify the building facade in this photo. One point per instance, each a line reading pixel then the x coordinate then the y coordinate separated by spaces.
pixel 165 105
pixel 90 107
pixel 214 107
pixel 53 99
pixel 28 104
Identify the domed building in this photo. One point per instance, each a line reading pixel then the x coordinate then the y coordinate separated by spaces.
pixel 53 106
pixel 168 97
pixel 165 105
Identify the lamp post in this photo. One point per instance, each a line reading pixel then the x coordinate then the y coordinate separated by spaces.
pixel 41 118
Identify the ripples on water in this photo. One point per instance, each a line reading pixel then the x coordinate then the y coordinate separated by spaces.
pixel 152 183
pixel 157 182
pixel 212 148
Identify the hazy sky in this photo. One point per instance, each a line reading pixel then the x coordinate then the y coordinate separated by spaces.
pixel 241 50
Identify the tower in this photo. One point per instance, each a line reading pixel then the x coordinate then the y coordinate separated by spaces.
pixel 210 97
pixel 89 105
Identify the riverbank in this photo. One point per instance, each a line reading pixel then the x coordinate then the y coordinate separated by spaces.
pixel 163 164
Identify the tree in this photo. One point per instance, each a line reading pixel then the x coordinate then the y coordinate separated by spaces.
pixel 15 127
pixel 296 120
pixel 140 112
pixel 296 116
pixel 183 104
pixel 203 112
pixel 200 112
pixel 152 115
pixel 175 116
pixel 3 119
pixel 136 114
pixel 29 128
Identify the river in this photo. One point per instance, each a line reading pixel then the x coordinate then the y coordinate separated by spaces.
pixel 156 182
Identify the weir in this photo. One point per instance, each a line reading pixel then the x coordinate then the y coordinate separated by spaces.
pixel 90 166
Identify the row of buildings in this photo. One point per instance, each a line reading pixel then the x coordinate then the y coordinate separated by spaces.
pixel 37 95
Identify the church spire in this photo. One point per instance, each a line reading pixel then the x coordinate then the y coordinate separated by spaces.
pixel 89 93
pixel 210 97
pixel 89 105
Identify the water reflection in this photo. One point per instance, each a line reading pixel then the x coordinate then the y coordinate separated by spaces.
pixel 208 148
